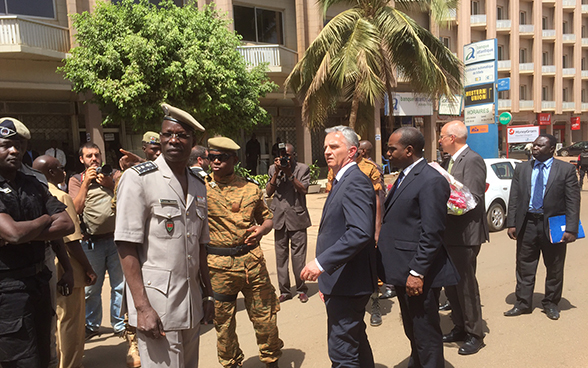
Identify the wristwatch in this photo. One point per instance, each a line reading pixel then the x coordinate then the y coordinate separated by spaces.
pixel 209 298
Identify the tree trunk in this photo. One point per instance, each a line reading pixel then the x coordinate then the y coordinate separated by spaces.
pixel 353 113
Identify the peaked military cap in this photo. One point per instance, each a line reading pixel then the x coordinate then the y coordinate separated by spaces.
pixel 151 138
pixel 223 144
pixel 180 116
pixel 10 127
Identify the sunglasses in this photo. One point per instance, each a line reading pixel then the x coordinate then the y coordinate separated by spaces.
pixel 222 157
pixel 180 136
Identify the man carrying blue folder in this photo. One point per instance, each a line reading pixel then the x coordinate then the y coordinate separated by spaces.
pixel 541 188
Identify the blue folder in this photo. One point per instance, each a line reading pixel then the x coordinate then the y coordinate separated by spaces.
pixel 557 227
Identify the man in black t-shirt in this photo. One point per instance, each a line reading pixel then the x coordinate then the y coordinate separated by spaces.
pixel 29 216
pixel 582 166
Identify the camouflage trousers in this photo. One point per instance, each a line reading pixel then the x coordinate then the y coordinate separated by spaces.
pixel 261 304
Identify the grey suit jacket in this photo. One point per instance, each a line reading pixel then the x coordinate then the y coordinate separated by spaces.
pixel 289 206
pixel 562 195
pixel 470 228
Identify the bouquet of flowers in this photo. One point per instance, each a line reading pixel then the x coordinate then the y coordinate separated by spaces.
pixel 461 199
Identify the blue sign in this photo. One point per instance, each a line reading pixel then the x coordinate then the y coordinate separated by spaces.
pixel 503 84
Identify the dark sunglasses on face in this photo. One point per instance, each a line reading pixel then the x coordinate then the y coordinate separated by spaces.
pixel 181 136
pixel 222 157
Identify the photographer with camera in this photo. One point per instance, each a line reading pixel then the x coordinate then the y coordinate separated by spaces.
pixel 92 192
pixel 289 184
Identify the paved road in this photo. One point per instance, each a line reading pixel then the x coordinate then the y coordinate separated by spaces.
pixel 526 341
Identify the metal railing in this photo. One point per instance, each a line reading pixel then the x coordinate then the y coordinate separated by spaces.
pixel 569 37
pixel 526 66
pixel 503 104
pixel 503 64
pixel 526 104
pixel 584 106
pixel 584 73
pixel 526 28
pixel 277 56
pixel 478 19
pixel 568 105
pixel 548 33
pixel 584 41
pixel 503 24
pixel 584 8
pixel 15 30
pixel 568 3
pixel 547 105
pixel 548 69
pixel 568 71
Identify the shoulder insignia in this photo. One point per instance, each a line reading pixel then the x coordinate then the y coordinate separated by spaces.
pixel 200 174
pixel 145 167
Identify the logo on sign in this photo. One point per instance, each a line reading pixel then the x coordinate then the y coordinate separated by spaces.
pixel 471 54
pixel 479 129
pixel 511 131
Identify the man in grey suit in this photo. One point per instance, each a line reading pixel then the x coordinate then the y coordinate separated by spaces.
pixel 463 236
pixel 541 188
pixel 289 181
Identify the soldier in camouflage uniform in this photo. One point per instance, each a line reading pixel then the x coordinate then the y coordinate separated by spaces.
pixel 238 219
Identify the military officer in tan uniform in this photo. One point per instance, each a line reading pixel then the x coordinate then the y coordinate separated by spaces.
pixel 238 220
pixel 161 234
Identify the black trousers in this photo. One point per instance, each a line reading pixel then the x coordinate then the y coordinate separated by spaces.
pixel 466 308
pixel 420 316
pixel 581 173
pixel 533 241
pixel 348 343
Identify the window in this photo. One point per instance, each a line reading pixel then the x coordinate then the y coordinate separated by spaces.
pixel 33 8
pixel 504 95
pixel 545 58
pixel 565 27
pixel 544 24
pixel 583 95
pixel 583 31
pixel 583 64
pixel 500 52
pixel 523 18
pixel 500 13
pixel 522 56
pixel 259 25
pixel 446 41
pixel 565 61
pixel 475 7
pixel 544 93
pixel 565 94
pixel 503 170
pixel 523 92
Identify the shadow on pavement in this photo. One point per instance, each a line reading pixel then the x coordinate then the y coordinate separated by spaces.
pixel 290 358
pixel 404 364
pixel 563 305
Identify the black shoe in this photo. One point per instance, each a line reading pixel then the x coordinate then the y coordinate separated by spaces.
pixel 455 335
pixel 376 318
pixel 90 334
pixel 389 293
pixel 471 346
pixel 516 311
pixel 285 297
pixel 445 307
pixel 551 312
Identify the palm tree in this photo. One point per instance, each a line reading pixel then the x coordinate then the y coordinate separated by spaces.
pixel 355 56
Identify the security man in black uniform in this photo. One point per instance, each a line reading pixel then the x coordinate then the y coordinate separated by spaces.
pixel 582 166
pixel 29 216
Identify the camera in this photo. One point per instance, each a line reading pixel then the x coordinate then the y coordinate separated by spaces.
pixel 106 170
pixel 284 158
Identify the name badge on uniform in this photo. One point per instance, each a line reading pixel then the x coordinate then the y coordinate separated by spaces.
pixel 169 225
pixel 168 202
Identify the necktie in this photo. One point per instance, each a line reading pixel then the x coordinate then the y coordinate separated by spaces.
pixel 397 183
pixel 54 152
pixel 450 166
pixel 538 190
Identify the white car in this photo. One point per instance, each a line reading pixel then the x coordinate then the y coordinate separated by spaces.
pixel 499 173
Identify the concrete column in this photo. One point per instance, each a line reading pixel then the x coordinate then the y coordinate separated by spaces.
pixel 537 56
pixel 94 126
pixel 430 134
pixel 226 6
pixel 558 59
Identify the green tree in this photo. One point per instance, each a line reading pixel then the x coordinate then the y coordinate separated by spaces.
pixel 355 56
pixel 132 57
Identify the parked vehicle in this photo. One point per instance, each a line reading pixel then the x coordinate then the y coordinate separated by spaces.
pixel 574 149
pixel 499 173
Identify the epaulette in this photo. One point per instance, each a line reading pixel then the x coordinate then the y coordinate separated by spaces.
pixel 145 167
pixel 200 175
pixel 252 180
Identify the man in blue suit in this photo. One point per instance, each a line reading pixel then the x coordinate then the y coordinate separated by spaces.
pixel 411 253
pixel 345 252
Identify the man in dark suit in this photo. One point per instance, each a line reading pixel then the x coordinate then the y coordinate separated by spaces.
pixel 411 253
pixel 463 236
pixel 541 188
pixel 345 262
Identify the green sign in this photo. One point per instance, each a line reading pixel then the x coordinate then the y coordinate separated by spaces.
pixel 505 118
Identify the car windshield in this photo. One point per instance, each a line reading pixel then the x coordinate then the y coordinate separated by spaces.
pixel 503 170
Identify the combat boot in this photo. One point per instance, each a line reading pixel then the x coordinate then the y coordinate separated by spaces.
pixel 376 318
pixel 133 359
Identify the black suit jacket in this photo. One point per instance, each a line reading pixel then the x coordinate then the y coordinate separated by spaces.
pixel 345 245
pixel 413 224
pixel 470 228
pixel 562 195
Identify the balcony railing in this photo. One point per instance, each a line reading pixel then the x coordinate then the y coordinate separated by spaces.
pixel 584 8
pixel 584 106
pixel 547 105
pixel 568 71
pixel 504 104
pixel 526 104
pixel 503 64
pixel 548 69
pixel 548 33
pixel 584 41
pixel 19 32
pixel 452 15
pixel 526 28
pixel 584 73
pixel 569 37
pixel 478 19
pixel 279 58
pixel 526 67
pixel 569 3
pixel 503 24
pixel 568 105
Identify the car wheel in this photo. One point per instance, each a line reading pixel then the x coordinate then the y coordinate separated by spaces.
pixel 496 217
pixel 564 153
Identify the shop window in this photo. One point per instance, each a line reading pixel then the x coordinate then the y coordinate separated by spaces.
pixel 259 25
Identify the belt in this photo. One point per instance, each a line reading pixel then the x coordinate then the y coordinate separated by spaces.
pixel 21 273
pixel 101 236
pixel 234 251
pixel 535 215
